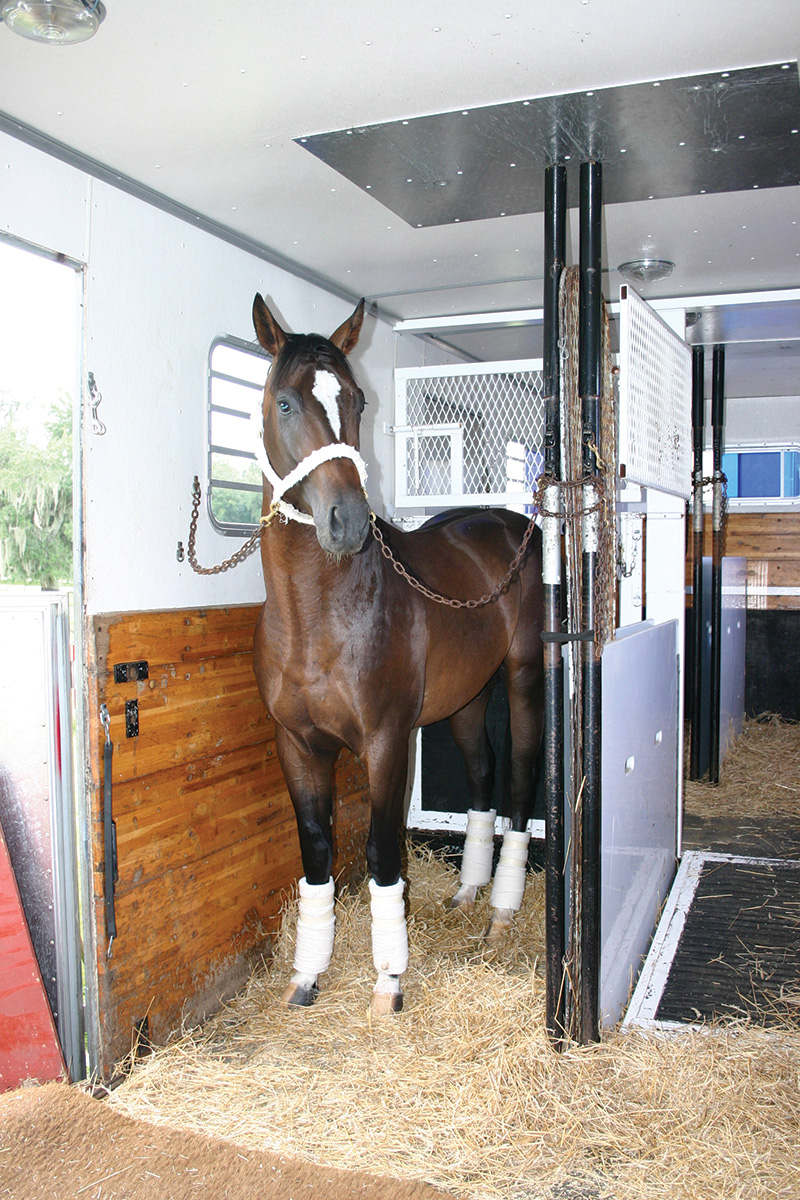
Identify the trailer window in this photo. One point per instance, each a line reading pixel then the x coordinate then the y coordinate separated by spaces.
pixel 768 474
pixel 236 374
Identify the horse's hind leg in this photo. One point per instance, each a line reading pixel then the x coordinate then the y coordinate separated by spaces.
pixel 309 779
pixel 525 697
pixel 468 727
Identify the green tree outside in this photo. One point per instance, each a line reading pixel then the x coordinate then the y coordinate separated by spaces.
pixel 36 499
pixel 236 507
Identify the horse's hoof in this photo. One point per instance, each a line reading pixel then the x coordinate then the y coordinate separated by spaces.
pixel 464 899
pixel 383 1003
pixel 299 996
pixel 498 927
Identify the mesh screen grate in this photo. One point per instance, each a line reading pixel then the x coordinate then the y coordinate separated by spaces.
pixel 655 434
pixel 472 435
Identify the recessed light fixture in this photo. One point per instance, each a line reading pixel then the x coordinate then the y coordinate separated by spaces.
pixel 646 270
pixel 55 22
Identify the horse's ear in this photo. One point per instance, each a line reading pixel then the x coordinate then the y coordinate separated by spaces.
pixel 346 335
pixel 269 332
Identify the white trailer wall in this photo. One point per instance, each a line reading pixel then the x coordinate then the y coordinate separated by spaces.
pixel 157 292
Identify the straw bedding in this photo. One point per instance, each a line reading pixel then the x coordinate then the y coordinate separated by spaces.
pixel 760 777
pixel 462 1089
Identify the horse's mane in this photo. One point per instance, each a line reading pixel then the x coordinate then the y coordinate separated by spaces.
pixel 303 348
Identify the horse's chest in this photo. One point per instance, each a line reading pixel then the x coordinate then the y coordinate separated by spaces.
pixel 315 683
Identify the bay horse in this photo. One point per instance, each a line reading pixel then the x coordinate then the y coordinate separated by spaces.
pixel 347 653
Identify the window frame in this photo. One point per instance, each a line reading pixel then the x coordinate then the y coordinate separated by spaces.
pixel 783 447
pixel 229 528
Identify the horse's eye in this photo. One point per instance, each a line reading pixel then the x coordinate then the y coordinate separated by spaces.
pixel 284 406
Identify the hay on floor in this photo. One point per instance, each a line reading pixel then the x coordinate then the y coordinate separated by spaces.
pixel 462 1089
pixel 759 777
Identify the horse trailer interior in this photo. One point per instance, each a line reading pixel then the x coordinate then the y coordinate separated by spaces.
pixel 187 157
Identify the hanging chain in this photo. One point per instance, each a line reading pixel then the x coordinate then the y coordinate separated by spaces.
pixel 437 597
pixel 255 537
pixel 711 481
pixel 624 569
pixel 602 488
pixel 244 552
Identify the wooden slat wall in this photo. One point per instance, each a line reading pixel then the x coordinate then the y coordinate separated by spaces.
pixel 771 544
pixel 207 843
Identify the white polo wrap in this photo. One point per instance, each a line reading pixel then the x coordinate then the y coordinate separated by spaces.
pixel 315 928
pixel 306 465
pixel 389 931
pixel 476 865
pixel 509 878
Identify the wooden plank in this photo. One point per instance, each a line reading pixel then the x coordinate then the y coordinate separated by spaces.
pixel 173 818
pixel 778 573
pixel 206 835
pixel 188 716
pixel 174 636
pixel 764 522
pixel 780 529
pixel 770 542
pixel 188 937
pixel 770 546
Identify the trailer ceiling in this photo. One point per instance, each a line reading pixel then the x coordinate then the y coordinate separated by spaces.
pixel 207 105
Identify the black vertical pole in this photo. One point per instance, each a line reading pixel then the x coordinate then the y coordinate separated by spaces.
pixel 555 249
pixel 696 682
pixel 589 386
pixel 717 433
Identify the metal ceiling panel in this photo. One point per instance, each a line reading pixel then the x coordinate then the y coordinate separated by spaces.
pixel 724 132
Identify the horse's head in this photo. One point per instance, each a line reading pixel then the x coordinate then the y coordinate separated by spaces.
pixel 312 401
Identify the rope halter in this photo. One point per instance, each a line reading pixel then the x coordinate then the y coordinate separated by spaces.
pixel 282 484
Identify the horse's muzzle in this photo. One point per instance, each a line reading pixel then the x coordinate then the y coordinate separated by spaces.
pixel 343 528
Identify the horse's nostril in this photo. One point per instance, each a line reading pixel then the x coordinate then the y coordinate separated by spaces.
pixel 345 528
pixel 336 525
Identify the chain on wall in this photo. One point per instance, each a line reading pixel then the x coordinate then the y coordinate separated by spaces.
pixel 605 597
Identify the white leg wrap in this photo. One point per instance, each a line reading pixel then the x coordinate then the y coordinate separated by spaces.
pixel 315 927
pixel 476 865
pixel 509 878
pixel 389 931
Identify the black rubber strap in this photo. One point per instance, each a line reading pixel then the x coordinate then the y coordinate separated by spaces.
pixel 110 844
pixel 563 638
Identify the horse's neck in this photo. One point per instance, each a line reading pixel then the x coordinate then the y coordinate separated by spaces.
pixel 300 578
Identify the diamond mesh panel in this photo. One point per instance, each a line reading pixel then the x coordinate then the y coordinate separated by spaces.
pixel 655 433
pixel 471 435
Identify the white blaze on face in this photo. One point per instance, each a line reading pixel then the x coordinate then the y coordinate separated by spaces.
pixel 326 389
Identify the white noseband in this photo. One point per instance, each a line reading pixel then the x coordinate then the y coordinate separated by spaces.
pixel 306 465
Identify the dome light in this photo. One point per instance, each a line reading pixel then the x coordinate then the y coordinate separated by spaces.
pixel 646 270
pixel 55 22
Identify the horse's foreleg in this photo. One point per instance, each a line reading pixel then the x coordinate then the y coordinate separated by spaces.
pixel 525 713
pixel 468 728
pixel 387 766
pixel 308 778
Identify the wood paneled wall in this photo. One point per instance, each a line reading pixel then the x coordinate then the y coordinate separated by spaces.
pixel 770 541
pixel 207 843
